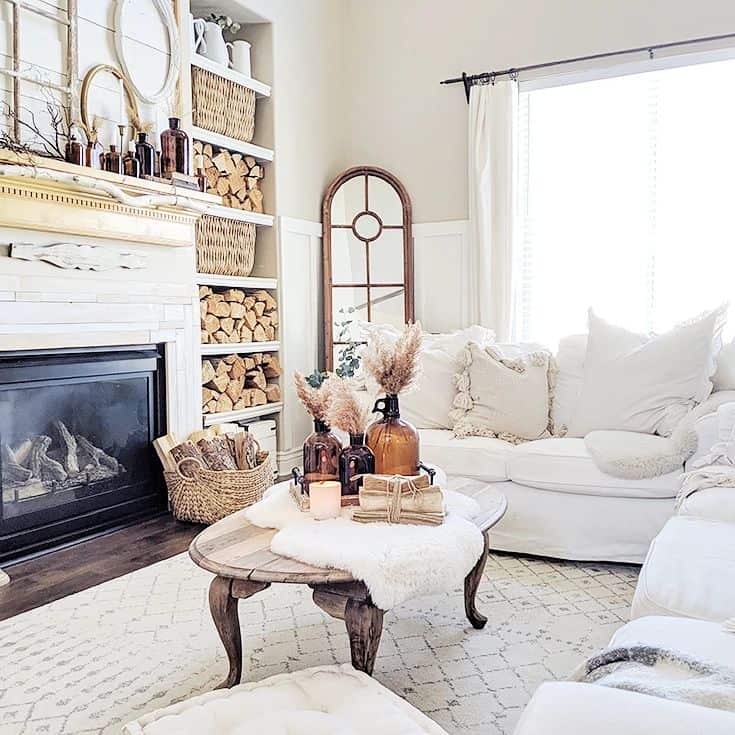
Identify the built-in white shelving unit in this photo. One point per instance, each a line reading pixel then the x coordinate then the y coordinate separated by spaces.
pixel 257 31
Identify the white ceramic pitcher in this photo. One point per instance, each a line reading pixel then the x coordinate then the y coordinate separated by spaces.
pixel 240 57
pixel 214 46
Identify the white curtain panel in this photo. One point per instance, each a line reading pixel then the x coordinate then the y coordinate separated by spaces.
pixel 492 202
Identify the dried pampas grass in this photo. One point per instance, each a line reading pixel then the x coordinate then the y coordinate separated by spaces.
pixel 315 400
pixel 346 411
pixel 395 367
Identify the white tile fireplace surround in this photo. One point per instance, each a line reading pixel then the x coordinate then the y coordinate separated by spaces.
pixel 43 306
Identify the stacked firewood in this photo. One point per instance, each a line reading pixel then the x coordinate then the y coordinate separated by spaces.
pixel 232 315
pixel 233 176
pixel 235 382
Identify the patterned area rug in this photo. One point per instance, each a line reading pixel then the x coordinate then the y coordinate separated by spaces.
pixel 95 660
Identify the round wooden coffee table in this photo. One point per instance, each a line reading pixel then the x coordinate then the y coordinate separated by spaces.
pixel 239 554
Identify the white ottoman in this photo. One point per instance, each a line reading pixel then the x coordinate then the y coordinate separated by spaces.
pixel 324 700
pixel 689 571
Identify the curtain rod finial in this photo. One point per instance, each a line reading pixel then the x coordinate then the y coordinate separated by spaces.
pixel 467 84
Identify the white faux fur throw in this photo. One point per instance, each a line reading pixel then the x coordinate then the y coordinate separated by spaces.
pixel 659 672
pixel 635 456
pixel 396 562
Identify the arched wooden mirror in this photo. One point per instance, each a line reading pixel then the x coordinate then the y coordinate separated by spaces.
pixel 368 258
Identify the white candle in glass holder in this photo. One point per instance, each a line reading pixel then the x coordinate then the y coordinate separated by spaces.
pixel 325 499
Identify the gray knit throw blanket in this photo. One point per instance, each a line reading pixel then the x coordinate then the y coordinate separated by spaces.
pixel 660 672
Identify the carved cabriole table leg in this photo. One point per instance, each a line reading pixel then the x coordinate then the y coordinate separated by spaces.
pixel 471 583
pixel 223 596
pixel 363 620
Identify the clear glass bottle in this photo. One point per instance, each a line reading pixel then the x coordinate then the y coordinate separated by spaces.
pixel 131 164
pixel 355 461
pixel 174 150
pixel 321 455
pixel 146 155
pixel 393 441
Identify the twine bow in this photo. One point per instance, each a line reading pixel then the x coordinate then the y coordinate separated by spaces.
pixel 394 495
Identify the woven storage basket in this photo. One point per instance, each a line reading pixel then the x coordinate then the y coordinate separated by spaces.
pixel 225 247
pixel 204 496
pixel 222 106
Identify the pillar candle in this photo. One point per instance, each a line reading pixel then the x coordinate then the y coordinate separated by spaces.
pixel 325 499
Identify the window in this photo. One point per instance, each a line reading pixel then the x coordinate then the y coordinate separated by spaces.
pixel 626 201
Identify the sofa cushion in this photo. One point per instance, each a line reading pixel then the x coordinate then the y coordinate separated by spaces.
pixel 711 504
pixel 689 571
pixel 700 639
pixel 569 379
pixel 473 456
pixel 565 465
pixel 324 700
pixel 565 708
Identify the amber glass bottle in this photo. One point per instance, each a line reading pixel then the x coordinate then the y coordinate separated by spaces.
pixel 146 155
pixel 354 461
pixel 94 153
pixel 174 150
pixel 113 160
pixel 321 455
pixel 393 441
pixel 131 164
pixel 74 151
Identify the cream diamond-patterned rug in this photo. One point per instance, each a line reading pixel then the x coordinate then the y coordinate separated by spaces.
pixel 95 660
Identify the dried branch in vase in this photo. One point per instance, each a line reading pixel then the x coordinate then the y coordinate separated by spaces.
pixel 315 400
pixel 394 366
pixel 345 410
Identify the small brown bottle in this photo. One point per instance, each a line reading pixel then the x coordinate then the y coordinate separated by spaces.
pixel 393 441
pixel 131 164
pixel 355 461
pixel 146 155
pixel 174 150
pixel 321 455
pixel 74 151
pixel 113 160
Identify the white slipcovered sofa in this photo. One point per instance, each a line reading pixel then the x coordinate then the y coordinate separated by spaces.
pixel 685 591
pixel 560 504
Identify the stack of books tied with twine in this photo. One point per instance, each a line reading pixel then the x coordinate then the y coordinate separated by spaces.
pixel 398 499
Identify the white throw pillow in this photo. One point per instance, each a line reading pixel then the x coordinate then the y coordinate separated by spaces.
pixel 724 378
pixel 429 403
pixel 569 379
pixel 502 397
pixel 636 382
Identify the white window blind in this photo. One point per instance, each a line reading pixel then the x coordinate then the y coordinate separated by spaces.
pixel 626 201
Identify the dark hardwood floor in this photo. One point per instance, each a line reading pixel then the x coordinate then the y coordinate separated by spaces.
pixel 75 568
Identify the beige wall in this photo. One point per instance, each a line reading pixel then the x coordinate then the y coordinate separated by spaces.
pixel 308 99
pixel 399 50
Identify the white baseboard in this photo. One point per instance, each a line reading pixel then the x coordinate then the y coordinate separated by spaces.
pixel 4 579
pixel 288 460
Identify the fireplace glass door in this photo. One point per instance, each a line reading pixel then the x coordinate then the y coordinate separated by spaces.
pixel 75 444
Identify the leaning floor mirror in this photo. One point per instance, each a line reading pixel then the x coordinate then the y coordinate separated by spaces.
pixel 368 260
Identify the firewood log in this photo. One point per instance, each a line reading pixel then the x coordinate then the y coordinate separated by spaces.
pixel 264 321
pixel 204 291
pixel 204 338
pixel 218 383
pixel 272 368
pixel 208 371
pixel 221 337
pixel 227 325
pixel 210 323
pixel 246 451
pixel 259 334
pixel 229 359
pixel 246 334
pixel 234 388
pixel 251 319
pixel 13 472
pixel 223 161
pixel 273 392
pixel 259 397
pixel 255 197
pixel 238 368
pixel 98 456
pixel 234 294
pixel 267 299
pixel 237 311
pixel 216 453
pixel 221 308
pixel 222 368
pixel 224 404
pixel 270 334
pixel 259 308
pixel 249 362
pixel 255 379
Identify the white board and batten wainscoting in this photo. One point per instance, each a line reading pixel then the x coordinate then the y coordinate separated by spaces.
pixel 441 262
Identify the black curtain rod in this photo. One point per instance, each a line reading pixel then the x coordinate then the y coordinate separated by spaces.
pixel 468 80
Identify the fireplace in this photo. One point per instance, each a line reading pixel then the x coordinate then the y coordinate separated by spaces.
pixel 76 458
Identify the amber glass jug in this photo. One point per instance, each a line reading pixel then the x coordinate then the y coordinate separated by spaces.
pixel 174 150
pixel 393 441
pixel 355 461
pixel 321 455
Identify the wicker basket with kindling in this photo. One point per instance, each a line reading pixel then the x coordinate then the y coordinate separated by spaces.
pixel 225 247
pixel 221 105
pixel 201 495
